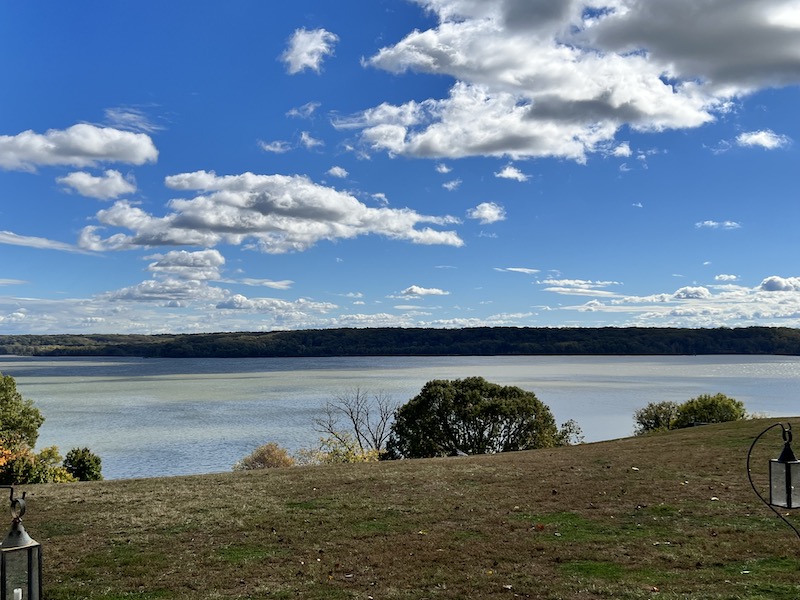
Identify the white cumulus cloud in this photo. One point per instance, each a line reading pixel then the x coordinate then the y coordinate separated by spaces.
pixel 307 49
pixel 202 265
pixel 693 293
pixel 272 213
pixel 339 172
pixel 767 139
pixel 511 172
pixel 487 213
pixel 81 145
pixel 108 186
pixel 416 290
pixel 775 283
pixel 561 77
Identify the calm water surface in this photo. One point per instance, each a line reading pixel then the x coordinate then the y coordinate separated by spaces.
pixel 154 417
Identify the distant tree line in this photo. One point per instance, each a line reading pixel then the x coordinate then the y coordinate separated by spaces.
pixel 477 341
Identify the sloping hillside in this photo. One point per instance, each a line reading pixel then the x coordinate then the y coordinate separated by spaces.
pixel 669 516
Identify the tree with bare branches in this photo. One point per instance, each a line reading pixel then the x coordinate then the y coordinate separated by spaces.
pixel 356 424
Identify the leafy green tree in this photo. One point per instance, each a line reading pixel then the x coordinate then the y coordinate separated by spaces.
pixel 83 464
pixel 470 416
pixel 18 417
pixel 706 408
pixel 19 429
pixel 656 416
pixel 570 434
pixel 268 456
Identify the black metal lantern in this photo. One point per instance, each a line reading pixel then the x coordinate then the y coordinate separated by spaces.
pixel 784 476
pixel 20 559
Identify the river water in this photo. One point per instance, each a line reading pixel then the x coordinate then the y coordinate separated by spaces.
pixel 161 417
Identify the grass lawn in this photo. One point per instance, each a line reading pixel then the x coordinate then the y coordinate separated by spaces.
pixel 663 516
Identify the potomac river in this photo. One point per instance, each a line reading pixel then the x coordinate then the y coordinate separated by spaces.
pixel 160 417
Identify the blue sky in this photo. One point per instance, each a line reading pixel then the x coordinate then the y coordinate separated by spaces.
pixel 207 166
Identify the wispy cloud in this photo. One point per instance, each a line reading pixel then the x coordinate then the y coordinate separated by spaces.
pixel 310 142
pixel 7 237
pixel 276 147
pixel 523 270
pixel 131 119
pixel 306 111
pixel 717 225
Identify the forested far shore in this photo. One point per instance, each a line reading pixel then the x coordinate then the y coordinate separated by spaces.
pixel 477 341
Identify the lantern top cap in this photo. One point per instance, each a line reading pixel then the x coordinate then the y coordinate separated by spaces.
pixel 17 537
pixel 787 455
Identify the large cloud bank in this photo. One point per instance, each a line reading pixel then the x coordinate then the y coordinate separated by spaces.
pixel 559 78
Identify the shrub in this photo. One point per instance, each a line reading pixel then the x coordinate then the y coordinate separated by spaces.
pixel 268 456
pixel 656 416
pixel 83 464
pixel 708 409
pixel 337 450
pixel 660 416
pixel 25 466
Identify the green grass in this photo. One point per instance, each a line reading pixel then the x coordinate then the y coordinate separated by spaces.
pixel 669 515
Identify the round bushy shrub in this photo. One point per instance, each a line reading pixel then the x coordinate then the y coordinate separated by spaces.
pixel 661 416
pixel 656 416
pixel 708 409
pixel 268 456
pixel 83 464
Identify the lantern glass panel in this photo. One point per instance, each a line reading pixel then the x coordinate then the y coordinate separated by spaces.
pixel 777 483
pixel 16 574
pixel 794 477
